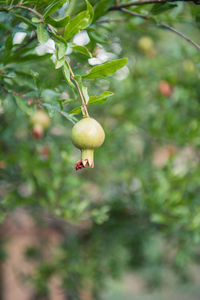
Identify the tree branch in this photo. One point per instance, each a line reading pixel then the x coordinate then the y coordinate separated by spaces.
pixel 18 6
pixel 147 17
pixel 78 88
pixel 135 14
pixel 180 34
pixel 28 9
pixel 137 3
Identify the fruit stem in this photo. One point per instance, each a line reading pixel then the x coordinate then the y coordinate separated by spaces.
pixel 87 156
pixel 78 88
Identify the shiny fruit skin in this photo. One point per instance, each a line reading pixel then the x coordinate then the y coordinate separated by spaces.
pixel 87 134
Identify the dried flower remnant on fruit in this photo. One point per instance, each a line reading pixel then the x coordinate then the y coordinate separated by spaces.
pixel 79 165
pixel 87 135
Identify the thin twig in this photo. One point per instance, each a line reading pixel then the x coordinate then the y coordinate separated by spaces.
pixel 28 9
pixel 78 88
pixel 147 17
pixel 18 6
pixel 109 20
pixel 180 34
pixel 135 14
pixel 137 3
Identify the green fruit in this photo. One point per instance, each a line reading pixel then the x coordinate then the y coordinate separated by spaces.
pixel 41 118
pixel 145 43
pixel 188 66
pixel 40 121
pixel 87 135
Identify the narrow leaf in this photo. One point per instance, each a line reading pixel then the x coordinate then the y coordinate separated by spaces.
pixel 8 43
pixel 57 22
pixel 90 11
pixel 76 24
pixel 35 20
pixel 21 103
pixel 54 6
pixel 81 49
pixel 61 49
pixel 106 69
pixel 42 33
pixel 68 116
pixel 94 35
pixel 100 99
pixel 56 37
pixel 25 20
pixel 59 63
pixel 85 93
pixel 100 9
pixel 67 76
pixel 28 57
pixel 76 111
pixel 159 8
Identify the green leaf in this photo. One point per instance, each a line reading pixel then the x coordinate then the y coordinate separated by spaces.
pixel 25 20
pixel 91 100
pixel 21 103
pixel 90 11
pixel 85 93
pixel 100 9
pixel 76 111
pixel 67 76
pixel 57 22
pixel 54 6
pixel 59 63
pixel 106 69
pixel 81 49
pixel 42 33
pixel 159 8
pixel 57 38
pixel 61 49
pixel 28 58
pixel 83 88
pixel 94 35
pixel 35 20
pixel 24 80
pixel 76 24
pixel 68 116
pixel 8 43
pixel 100 99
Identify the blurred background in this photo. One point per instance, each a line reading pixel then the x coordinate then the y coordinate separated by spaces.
pixel 129 228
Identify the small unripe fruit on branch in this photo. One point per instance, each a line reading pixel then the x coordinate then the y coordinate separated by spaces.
pixel 146 44
pixel 87 135
pixel 40 121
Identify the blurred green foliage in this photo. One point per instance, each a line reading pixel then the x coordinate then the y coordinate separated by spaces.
pixel 141 201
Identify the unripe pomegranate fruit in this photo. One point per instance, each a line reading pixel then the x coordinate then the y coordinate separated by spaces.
pixel 145 43
pixel 40 121
pixel 188 66
pixel 87 135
